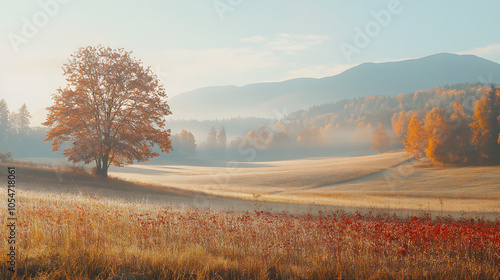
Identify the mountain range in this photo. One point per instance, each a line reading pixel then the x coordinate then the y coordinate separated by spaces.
pixel 387 78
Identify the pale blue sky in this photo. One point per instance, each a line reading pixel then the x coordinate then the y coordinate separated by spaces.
pixel 192 46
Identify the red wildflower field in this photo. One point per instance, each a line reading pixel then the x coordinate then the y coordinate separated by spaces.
pixel 82 237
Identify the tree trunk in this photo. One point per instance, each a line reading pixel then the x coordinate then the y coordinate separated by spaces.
pixel 102 167
pixel 103 171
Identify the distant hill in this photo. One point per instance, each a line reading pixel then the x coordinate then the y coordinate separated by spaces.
pixel 388 78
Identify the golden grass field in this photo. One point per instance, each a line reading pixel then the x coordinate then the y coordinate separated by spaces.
pixel 66 236
pixel 384 181
pixel 185 222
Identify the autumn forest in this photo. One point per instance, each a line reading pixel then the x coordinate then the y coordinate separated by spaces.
pixel 449 125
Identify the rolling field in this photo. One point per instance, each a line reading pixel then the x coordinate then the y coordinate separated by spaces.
pixel 373 217
pixel 386 181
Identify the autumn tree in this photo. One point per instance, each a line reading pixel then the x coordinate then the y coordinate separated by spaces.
pixel 187 143
pixel 222 138
pixel 400 122
pixel 111 110
pixel 251 136
pixel 486 127
pixel 260 139
pixel 415 140
pixel 440 134
pixel 310 135
pixel 381 141
pixel 461 148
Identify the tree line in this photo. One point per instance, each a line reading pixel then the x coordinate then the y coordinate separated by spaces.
pixel 184 142
pixel 382 122
pixel 433 124
pixel 455 136
pixel 16 134
pixel 114 110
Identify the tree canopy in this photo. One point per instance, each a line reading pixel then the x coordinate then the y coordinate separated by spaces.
pixel 222 138
pixel 4 120
pixel 20 121
pixel 458 136
pixel 415 140
pixel 486 127
pixel 212 137
pixel 187 143
pixel 381 140
pixel 112 110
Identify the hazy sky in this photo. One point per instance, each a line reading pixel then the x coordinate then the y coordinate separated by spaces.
pixel 198 43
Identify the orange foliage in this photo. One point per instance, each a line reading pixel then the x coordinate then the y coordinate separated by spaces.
pixel 486 127
pixel 310 135
pixel 415 140
pixel 439 131
pixel 462 149
pixel 260 139
pixel 112 110
pixel 400 122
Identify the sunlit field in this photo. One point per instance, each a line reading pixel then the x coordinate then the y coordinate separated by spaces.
pixel 383 181
pixel 72 225
pixel 235 140
pixel 65 236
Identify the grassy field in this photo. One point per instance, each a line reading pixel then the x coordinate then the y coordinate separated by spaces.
pixel 65 236
pixel 385 181
pixel 330 218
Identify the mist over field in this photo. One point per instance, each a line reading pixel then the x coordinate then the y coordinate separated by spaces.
pixel 250 140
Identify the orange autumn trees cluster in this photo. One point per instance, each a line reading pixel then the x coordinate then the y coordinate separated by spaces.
pixel 400 122
pixel 415 140
pixel 453 137
pixel 486 127
pixel 112 110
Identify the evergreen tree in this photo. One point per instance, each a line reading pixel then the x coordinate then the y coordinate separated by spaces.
pixel 222 138
pixel 20 121
pixel 212 138
pixel 4 123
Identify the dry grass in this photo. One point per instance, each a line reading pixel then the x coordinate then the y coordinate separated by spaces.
pixel 384 181
pixel 75 226
pixel 263 177
pixel 65 180
pixel 67 236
